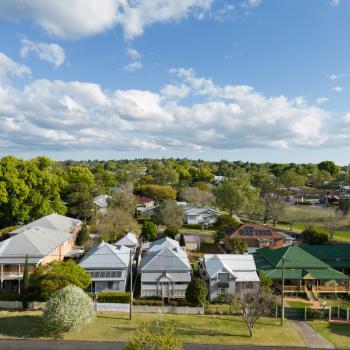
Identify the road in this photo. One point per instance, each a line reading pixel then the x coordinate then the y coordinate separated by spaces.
pixel 25 344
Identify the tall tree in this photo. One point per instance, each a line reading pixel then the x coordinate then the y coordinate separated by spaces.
pixel 169 214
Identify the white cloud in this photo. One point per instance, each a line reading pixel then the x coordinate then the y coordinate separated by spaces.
pixel 322 100
pixel 12 68
pixel 133 66
pixel 56 115
pixel 335 76
pixel 133 54
pixel 338 89
pixel 52 53
pixel 334 2
pixel 81 18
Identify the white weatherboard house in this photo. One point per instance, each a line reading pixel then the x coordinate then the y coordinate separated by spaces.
pixel 165 270
pixel 200 215
pixel 229 274
pixel 108 267
pixel 130 240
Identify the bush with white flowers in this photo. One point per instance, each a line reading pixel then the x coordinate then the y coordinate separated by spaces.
pixel 68 310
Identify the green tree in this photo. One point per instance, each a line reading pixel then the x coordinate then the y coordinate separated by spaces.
pixel 163 175
pixel 265 283
pixel 182 241
pixel 80 203
pixel 328 166
pixel 155 335
pixel 123 200
pixel 68 310
pixel 196 196
pixel 238 246
pixel 25 284
pixel 291 179
pixel 196 292
pixel 157 192
pixel 83 235
pixel 149 231
pixel 314 237
pixel 47 279
pixel 169 214
pixel 171 232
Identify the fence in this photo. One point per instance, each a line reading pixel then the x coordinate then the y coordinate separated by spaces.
pixel 149 309
pixel 330 313
pixel 17 305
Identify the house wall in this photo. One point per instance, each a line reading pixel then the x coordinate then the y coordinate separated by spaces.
pixel 108 284
pixel 164 289
pixel 214 290
pixel 59 252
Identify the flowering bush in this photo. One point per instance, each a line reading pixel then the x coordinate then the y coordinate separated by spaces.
pixel 68 310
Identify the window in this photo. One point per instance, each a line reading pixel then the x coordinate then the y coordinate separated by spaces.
pixel 223 277
pixel 222 291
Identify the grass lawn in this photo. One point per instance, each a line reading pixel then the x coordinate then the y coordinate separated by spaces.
pixel 298 304
pixel 342 303
pixel 191 328
pixel 8 229
pixel 192 231
pixel 336 333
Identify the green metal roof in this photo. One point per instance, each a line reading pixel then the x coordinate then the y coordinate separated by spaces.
pixel 335 255
pixel 297 264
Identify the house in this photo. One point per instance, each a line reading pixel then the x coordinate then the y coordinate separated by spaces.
pixel 53 222
pixel 257 236
pixel 101 202
pixel 196 215
pixel 41 244
pixel 165 270
pixel 108 267
pixel 302 272
pixel 192 242
pixel 130 240
pixel 336 256
pixel 144 202
pixel 229 274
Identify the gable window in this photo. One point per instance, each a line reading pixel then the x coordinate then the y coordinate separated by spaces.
pixel 223 277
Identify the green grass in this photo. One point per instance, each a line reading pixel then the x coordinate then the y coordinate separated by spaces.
pixel 112 326
pixel 192 231
pixel 8 229
pixel 298 304
pixel 336 333
pixel 342 303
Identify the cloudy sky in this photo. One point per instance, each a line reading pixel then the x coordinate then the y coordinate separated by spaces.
pixel 251 80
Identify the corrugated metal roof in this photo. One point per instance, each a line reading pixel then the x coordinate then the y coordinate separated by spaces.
pixel 104 255
pixel 171 276
pixel 159 244
pixel 130 239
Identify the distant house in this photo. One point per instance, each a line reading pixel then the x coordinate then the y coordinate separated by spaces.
pixel 53 222
pixel 229 274
pixel 218 179
pixel 165 270
pixel 192 242
pixel 130 240
pixel 108 267
pixel 303 272
pixel 101 202
pixel 145 205
pixel 41 244
pixel 257 236
pixel 200 215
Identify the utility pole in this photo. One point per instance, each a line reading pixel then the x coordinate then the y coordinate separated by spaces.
pixel 130 306
pixel 282 298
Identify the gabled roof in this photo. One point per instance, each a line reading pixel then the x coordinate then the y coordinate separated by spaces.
pixel 36 242
pixel 254 231
pixel 240 266
pixel 130 239
pixel 102 200
pixel 194 210
pixel 166 276
pixel 106 256
pixel 53 221
pixel 167 260
pixel 159 244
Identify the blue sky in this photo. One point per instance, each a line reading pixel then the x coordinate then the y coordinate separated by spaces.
pixel 243 80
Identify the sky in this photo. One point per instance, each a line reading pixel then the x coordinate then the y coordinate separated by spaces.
pixel 250 80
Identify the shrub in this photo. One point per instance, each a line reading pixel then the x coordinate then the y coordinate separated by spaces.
pixel 193 226
pixel 313 314
pixel 156 336
pixel 312 236
pixel 149 302
pixel 149 231
pixel 83 235
pixel 171 232
pixel 113 297
pixel 196 292
pixel 68 310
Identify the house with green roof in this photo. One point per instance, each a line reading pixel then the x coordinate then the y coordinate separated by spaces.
pixel 303 272
pixel 335 255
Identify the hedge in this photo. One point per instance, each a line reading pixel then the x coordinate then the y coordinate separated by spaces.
pixel 113 297
pixel 193 226
pixel 148 302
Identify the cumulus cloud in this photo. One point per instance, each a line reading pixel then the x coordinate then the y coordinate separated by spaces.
pixel 191 113
pixel 335 76
pixel 8 67
pixel 52 53
pixel 322 100
pixel 81 18
pixel 338 89
pixel 133 66
pixel 334 3
pixel 133 54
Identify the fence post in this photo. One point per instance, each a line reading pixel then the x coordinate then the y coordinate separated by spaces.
pixel 347 314
pixel 338 312
pixel 305 311
pixel 330 313
pixel 276 311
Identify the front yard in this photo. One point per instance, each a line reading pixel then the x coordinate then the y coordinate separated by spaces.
pixel 192 329
pixel 336 333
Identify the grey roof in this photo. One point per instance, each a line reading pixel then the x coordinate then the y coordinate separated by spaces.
pixel 194 210
pixel 102 200
pixel 53 221
pixel 166 276
pixel 106 256
pixel 129 240
pixel 36 242
pixel 164 242
pixel 286 235
pixel 192 239
pixel 167 260
pixel 240 266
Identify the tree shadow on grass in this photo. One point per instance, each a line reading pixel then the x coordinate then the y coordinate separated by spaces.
pixel 197 331
pixel 22 326
pixel 342 329
pixel 113 317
